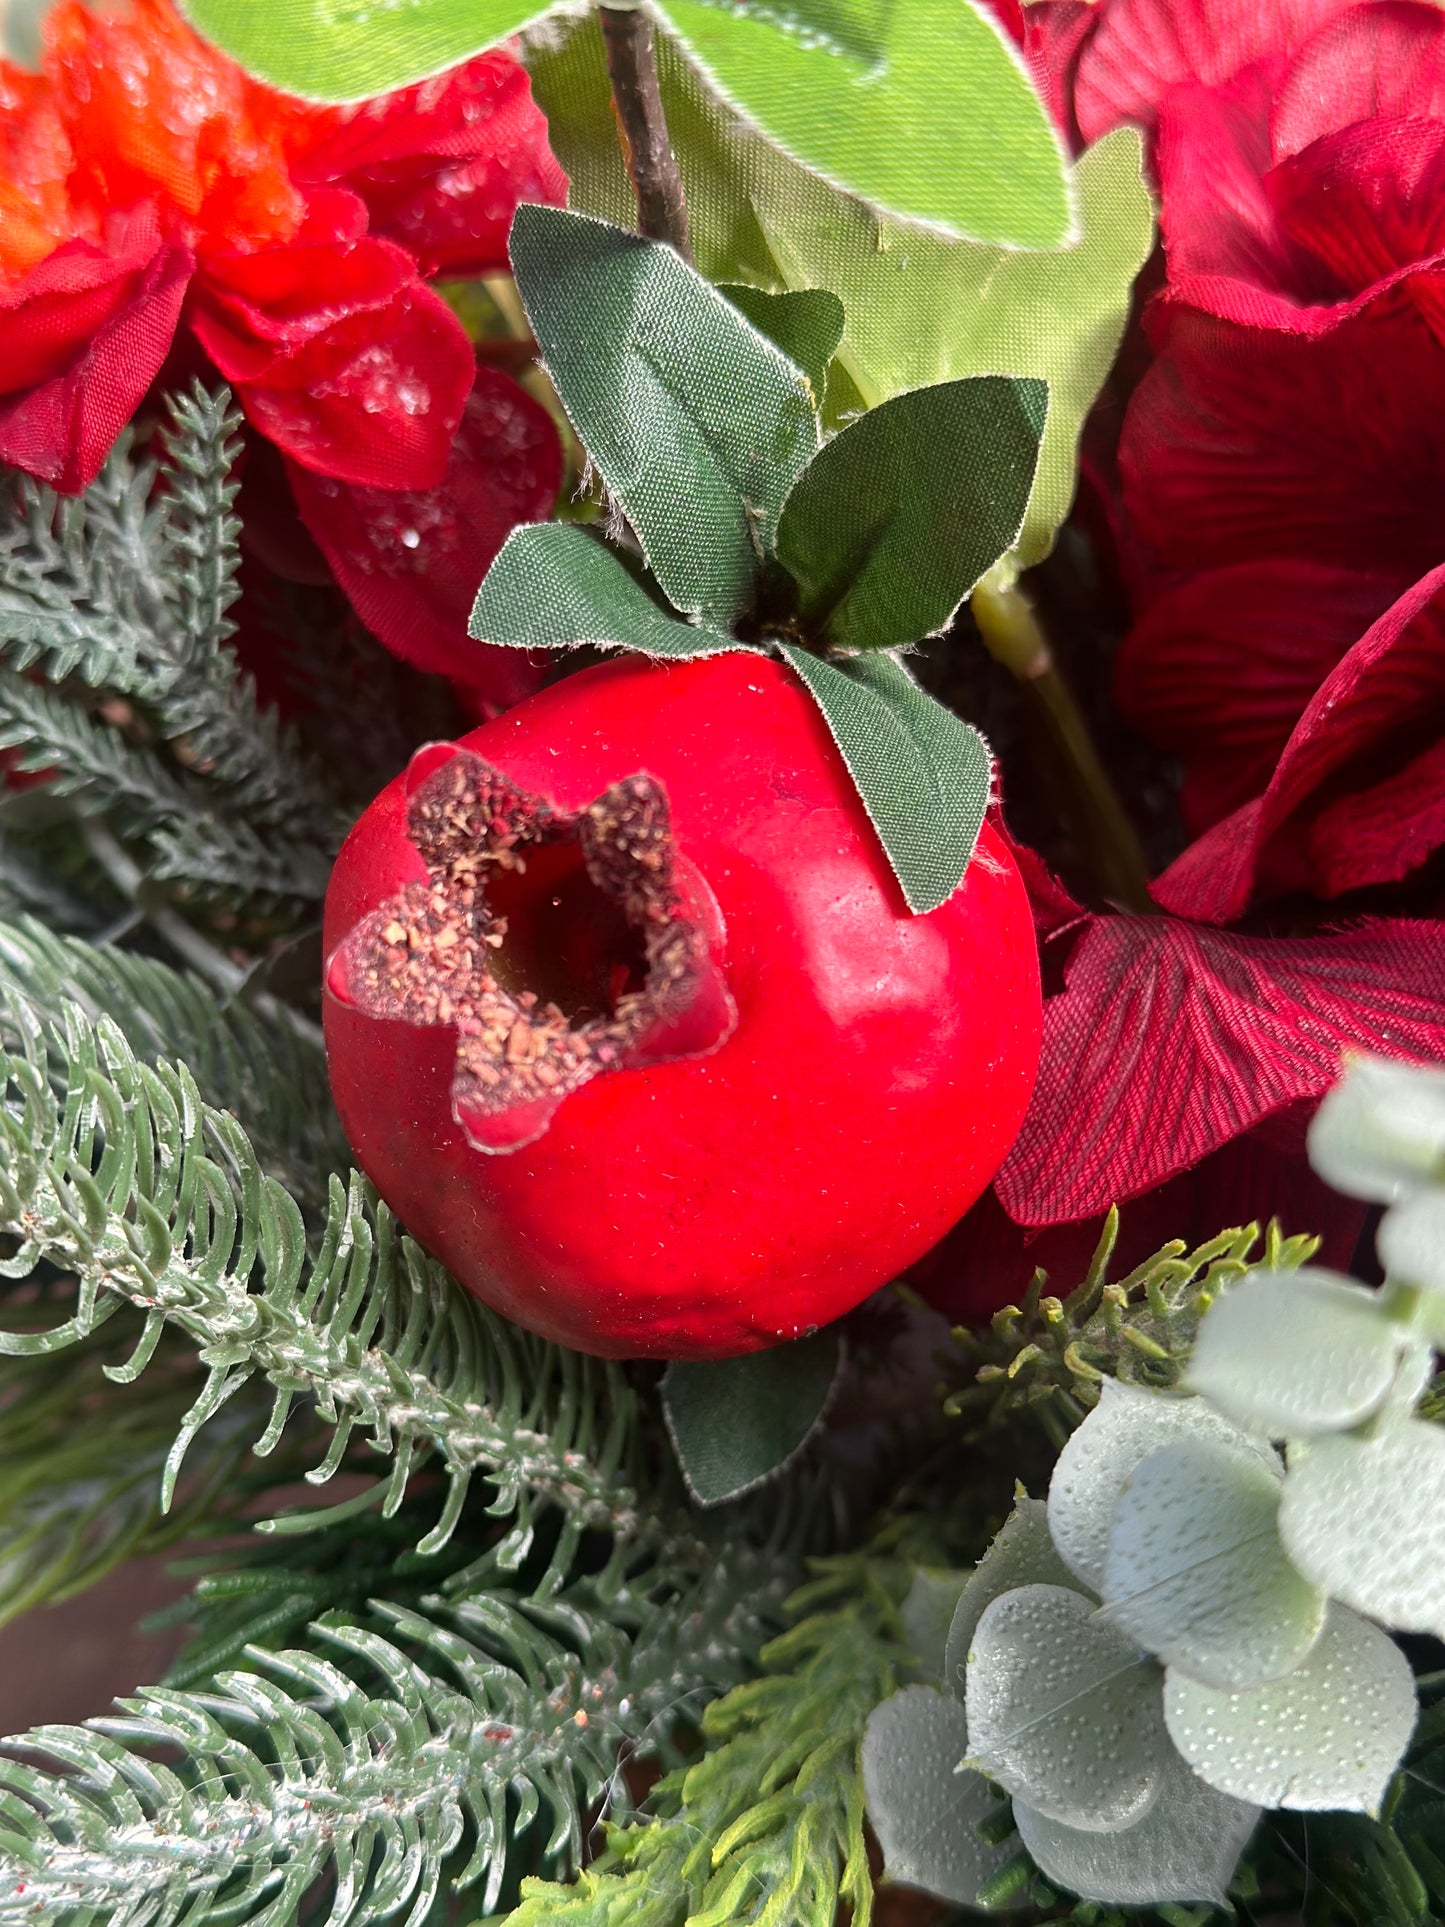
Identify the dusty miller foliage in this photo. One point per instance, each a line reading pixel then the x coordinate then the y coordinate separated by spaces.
pixel 426 1695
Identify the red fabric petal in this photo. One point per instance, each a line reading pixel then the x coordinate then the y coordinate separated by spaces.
pixel 411 562
pixel 81 339
pixel 442 165
pixel 1055 33
pixel 1364 726
pixel 1387 58
pixel 1170 1040
pixel 1242 444
pixel 1221 669
pixel 341 356
pixel 1143 47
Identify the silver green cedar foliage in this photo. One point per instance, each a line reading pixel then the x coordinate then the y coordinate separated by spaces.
pixel 119 680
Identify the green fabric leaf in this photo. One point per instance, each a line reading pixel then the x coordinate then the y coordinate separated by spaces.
pixel 925 1813
pixel 1195 1572
pixel 1124 1428
pixel 923 774
pixel 1063 1711
pixel 1291 1354
pixel 895 519
pixel 347 49
pixel 1365 1518
pixel 923 109
pixel 1184 1849
pixel 554 586
pixel 736 1421
pixel 695 421
pixel 926 1615
pixel 807 325
pixel 1021 1554
pixel 1328 1735
pixel 920 308
pixel 1380 1133
pixel 1411 1245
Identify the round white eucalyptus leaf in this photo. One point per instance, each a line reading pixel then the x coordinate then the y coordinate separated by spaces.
pixel 1290 1354
pixel 1380 1133
pixel 926 1615
pixel 1365 1519
pixel 1185 1848
pixel 925 1813
pixel 1196 1573
pixel 1022 1554
pixel 1411 1242
pixel 1063 1711
pixel 1328 1735
pixel 1122 1430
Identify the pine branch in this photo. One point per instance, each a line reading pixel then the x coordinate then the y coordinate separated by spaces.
pixel 767 1828
pixel 119 1172
pixel 424 1745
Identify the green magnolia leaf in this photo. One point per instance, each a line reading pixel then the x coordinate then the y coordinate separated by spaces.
pixel 925 1813
pixel 926 1615
pixel 893 521
pixel 1365 1519
pixel 1380 1133
pixel 923 109
pixel 346 49
pixel 1124 1428
pixel 807 325
pixel 1294 1353
pixel 1063 1711
pixel 924 775
pixel 555 586
pixel 1021 1554
pixel 1185 1848
pixel 695 421
pixel 736 1421
pixel 920 308
pixel 1195 1571
pixel 1328 1735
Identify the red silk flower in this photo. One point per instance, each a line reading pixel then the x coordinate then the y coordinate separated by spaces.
pixel 153 196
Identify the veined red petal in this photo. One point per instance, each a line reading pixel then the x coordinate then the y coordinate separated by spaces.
pixel 1170 1040
pixel 410 562
pixel 1385 58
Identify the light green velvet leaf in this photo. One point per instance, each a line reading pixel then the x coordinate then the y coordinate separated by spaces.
pixel 1196 1574
pixel 1365 1519
pixel 1124 1428
pixel 1411 1247
pixel 1185 1848
pixel 1021 1554
pixel 926 1814
pixel 926 1615
pixel 923 109
pixel 807 325
pixel 347 49
pixel 1380 1133
pixel 554 586
pixel 734 1422
pixel 895 519
pixel 1063 1711
pixel 697 424
pixel 1294 1353
pixel 1328 1735
pixel 924 775
pixel 920 308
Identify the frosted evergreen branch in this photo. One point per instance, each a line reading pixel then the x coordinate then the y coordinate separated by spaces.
pixel 119 1173
pixel 378 1760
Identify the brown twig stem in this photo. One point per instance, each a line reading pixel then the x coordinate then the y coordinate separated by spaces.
pixel 1013 636
pixel 629 46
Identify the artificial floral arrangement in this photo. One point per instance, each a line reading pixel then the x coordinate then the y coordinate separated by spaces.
pixel 720 874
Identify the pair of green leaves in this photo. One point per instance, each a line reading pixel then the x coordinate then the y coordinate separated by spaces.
pixel 703 425
pixel 917 106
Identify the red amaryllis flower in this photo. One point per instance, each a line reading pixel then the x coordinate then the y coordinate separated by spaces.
pixel 149 186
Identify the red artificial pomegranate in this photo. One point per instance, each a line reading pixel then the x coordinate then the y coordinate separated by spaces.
pixel 629 1023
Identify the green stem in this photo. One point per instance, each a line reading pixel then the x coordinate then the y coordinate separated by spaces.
pixel 628 43
pixel 1013 636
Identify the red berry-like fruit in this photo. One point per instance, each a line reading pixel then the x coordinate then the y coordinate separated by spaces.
pixel 629 1023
